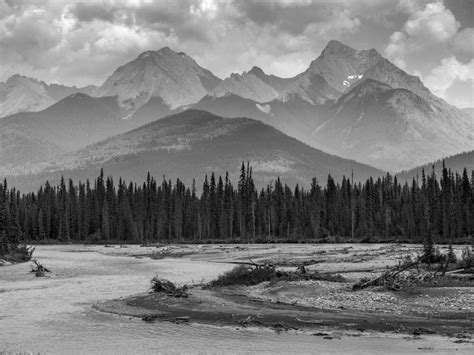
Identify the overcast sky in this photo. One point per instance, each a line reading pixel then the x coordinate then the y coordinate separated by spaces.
pixel 82 42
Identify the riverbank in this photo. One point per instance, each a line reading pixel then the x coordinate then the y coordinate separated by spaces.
pixel 232 306
pixel 54 315
pixel 321 308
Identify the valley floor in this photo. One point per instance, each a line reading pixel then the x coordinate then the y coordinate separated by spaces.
pixel 330 310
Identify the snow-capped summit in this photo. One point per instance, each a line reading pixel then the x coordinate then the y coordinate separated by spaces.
pixel 174 77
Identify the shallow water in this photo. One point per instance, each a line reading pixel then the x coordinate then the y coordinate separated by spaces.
pixel 55 315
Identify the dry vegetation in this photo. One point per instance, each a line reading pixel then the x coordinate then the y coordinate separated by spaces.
pixel 168 288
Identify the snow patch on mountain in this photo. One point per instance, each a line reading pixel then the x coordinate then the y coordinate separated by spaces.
pixel 352 79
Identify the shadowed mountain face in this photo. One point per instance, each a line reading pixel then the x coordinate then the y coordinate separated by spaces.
pixel 70 124
pixel 174 77
pixel 392 129
pixel 295 116
pixel 193 143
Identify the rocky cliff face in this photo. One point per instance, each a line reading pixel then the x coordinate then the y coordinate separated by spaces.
pixel 174 77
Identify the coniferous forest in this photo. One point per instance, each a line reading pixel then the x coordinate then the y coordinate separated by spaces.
pixel 438 209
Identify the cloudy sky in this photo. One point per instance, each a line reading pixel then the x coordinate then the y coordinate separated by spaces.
pixel 82 42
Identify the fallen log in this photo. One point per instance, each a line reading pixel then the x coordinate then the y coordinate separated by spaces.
pixel 388 278
pixel 38 269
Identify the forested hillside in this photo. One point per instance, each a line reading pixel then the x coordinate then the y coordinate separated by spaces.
pixel 101 211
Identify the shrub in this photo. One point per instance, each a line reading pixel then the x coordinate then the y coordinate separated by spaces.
pixel 168 288
pixel 245 275
pixel 18 254
pixel 467 258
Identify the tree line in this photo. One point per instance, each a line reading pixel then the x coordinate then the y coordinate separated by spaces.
pixel 428 209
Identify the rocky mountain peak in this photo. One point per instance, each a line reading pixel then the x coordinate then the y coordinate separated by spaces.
pixel 257 71
pixel 174 77
pixel 17 79
pixel 249 85
pixel 336 47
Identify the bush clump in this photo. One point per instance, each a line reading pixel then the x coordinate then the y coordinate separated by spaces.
pixel 16 254
pixel 467 258
pixel 168 288
pixel 248 275
pixel 245 275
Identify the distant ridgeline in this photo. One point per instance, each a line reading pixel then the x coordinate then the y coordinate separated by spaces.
pixel 441 209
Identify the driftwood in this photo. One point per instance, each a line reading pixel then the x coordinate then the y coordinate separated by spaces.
pixel 457 271
pixel 168 288
pixel 38 268
pixel 389 277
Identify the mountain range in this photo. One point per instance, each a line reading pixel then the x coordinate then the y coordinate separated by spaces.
pixel 349 103
pixel 192 143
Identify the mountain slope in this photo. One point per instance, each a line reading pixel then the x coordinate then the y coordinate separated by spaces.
pixel 248 86
pixel 294 116
pixel 192 143
pixel 392 129
pixel 341 66
pixel 174 77
pixel 23 94
pixel 358 105
pixel 349 102
pixel 455 162
pixel 70 124
pixel 469 111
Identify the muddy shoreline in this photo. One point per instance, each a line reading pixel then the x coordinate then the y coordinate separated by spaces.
pixel 230 307
pixel 321 308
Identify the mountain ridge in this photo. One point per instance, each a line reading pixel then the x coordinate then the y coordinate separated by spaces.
pixel 350 102
pixel 191 143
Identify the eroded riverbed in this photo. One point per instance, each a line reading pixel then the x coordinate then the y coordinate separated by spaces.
pixel 55 314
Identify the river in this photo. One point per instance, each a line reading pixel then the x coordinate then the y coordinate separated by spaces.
pixel 55 315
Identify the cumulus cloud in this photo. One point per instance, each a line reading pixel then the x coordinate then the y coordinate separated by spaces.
pixel 426 29
pixel 447 72
pixel 463 42
pixel 430 44
pixel 82 42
